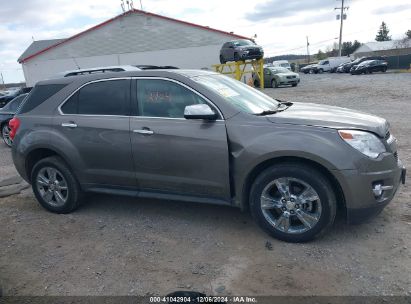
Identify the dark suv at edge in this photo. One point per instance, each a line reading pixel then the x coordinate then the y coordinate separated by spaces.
pixel 201 136
pixel 238 50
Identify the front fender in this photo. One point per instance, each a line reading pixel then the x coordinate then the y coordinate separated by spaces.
pixel 253 145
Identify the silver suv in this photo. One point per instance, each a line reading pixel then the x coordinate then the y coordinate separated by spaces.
pixel 201 136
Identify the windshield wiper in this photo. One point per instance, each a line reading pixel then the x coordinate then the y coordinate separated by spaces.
pixel 268 112
pixel 284 105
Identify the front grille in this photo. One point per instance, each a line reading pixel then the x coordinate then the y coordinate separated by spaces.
pixel 291 77
pixel 253 52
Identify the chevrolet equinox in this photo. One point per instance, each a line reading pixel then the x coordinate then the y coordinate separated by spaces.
pixel 199 136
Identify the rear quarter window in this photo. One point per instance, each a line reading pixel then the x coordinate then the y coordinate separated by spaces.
pixel 38 95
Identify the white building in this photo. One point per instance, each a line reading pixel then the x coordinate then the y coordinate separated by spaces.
pixel 133 38
pixel 384 48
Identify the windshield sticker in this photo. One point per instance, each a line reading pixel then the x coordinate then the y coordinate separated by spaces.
pixel 222 89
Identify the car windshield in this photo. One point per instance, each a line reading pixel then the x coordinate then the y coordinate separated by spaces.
pixel 238 94
pixel 365 62
pixel 243 42
pixel 13 105
pixel 279 70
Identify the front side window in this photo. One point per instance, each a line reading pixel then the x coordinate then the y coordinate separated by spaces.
pixel 162 98
pixel 238 94
pixel 100 98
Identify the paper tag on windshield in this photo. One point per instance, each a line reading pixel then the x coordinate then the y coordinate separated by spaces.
pixel 226 91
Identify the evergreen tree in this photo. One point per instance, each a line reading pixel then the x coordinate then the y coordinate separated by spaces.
pixel 382 34
pixel 408 34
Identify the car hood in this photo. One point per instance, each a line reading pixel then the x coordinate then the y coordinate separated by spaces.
pixel 312 114
pixel 287 74
pixel 247 47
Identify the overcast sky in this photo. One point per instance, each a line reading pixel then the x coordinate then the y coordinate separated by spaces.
pixel 281 25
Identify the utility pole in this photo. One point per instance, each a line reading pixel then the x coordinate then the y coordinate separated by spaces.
pixel 2 80
pixel 308 51
pixel 342 17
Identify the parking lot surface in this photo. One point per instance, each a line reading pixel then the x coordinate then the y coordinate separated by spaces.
pixel 124 246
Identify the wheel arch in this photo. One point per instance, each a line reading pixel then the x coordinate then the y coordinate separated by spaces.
pixel 341 204
pixel 38 154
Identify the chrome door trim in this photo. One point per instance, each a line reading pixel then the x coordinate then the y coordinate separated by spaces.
pixel 137 77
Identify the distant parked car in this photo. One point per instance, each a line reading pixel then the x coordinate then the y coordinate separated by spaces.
pixel 308 68
pixel 369 66
pixel 329 64
pixel 341 67
pixel 10 94
pixel 238 50
pixel 347 68
pixel 282 63
pixel 276 76
pixel 7 113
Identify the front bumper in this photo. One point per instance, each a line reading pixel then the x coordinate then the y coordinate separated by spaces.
pixel 357 186
pixel 289 81
pixel 254 55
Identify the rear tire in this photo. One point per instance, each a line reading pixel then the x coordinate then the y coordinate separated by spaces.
pixel 55 186
pixel 320 71
pixel 316 207
pixel 256 84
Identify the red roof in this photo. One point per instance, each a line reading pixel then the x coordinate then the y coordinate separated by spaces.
pixel 125 14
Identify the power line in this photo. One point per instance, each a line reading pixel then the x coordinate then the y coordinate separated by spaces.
pixel 332 39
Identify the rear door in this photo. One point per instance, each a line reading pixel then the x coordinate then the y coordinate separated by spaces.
pixel 95 120
pixel 172 154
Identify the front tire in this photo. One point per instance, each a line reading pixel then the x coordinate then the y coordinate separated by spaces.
pixel 5 133
pixel 236 57
pixel 55 186
pixel 293 202
pixel 274 83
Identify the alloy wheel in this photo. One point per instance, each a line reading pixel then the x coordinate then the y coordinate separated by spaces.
pixel 291 205
pixel 52 186
pixel 6 135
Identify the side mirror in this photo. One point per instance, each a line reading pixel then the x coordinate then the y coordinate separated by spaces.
pixel 199 111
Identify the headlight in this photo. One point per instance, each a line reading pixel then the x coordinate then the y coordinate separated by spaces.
pixel 365 142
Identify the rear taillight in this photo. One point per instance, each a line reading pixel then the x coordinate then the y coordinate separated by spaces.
pixel 14 125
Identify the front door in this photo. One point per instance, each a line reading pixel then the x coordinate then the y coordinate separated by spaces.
pixel 172 154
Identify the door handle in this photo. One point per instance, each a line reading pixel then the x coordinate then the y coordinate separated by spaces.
pixel 144 132
pixel 69 125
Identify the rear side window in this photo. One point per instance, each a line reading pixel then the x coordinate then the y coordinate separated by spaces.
pixel 38 95
pixel 100 98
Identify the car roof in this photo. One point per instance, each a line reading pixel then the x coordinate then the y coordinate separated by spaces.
pixel 141 73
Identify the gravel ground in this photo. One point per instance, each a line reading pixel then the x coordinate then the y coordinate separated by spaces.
pixel 123 246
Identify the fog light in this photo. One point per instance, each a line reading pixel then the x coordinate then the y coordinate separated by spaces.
pixel 378 189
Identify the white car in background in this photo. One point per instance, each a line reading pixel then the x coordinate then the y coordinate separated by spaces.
pixel 330 64
pixel 282 64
